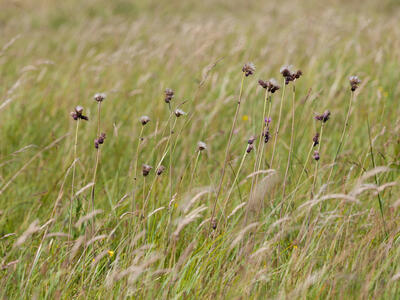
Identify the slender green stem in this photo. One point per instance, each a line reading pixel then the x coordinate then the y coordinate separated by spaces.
pixel 227 151
pixel 376 180
pixel 290 148
pixel 279 123
pixel 342 137
pixel 73 179
pixel 194 168
pixel 136 168
pixel 317 162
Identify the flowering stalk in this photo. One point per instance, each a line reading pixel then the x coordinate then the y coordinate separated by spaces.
pixel 248 69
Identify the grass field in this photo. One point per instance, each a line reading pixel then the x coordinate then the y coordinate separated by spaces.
pixel 83 222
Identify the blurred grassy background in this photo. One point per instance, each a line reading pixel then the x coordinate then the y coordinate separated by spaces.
pixel 55 55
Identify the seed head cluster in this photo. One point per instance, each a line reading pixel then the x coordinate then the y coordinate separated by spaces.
pixel 270 85
pixel 324 117
pixel 290 75
pixel 100 140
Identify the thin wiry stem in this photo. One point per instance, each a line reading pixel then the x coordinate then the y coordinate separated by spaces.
pixel 73 179
pixel 290 148
pixel 227 150
pixel 342 137
pixel 235 180
pixel 317 162
pixel 194 168
pixel 279 123
pixel 96 166
pixel 136 168
pixel 376 179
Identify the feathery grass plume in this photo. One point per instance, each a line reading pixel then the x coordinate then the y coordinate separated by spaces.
pixel 77 115
pixel 99 98
pixel 248 69
pixel 354 82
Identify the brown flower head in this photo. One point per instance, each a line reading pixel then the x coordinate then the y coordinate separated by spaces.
pixel 201 146
pixel 144 120
pixel 354 82
pixel 179 112
pixel 249 69
pixel 146 169
pixel 78 114
pixel 169 94
pixel 316 155
pixel 316 139
pixel 251 140
pixel 100 97
pixel 160 170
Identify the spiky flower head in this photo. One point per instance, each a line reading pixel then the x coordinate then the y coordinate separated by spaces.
pixel 144 120
pixel 100 97
pixel 249 69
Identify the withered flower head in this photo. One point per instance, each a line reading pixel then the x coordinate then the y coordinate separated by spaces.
pixel 250 147
pixel 99 97
pixel 266 135
pixel 169 94
pixel 264 84
pixel 251 140
pixel 214 223
pixel 78 114
pixel 354 82
pixel 273 85
pixel 179 112
pixel 286 71
pixel 316 155
pixel 146 169
pixel 249 69
pixel 144 120
pixel 316 139
pixel 160 170
pixel 201 146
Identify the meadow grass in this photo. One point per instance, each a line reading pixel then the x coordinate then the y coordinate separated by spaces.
pixel 208 220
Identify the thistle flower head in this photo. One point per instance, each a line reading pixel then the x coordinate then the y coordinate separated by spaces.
pixel 264 84
pixel 160 170
pixel 179 112
pixel 169 94
pixel 316 139
pixel 146 169
pixel 286 70
pixel 273 85
pixel 250 147
pixel 251 140
pixel 99 140
pixel 316 155
pixel 100 97
pixel 144 120
pixel 324 117
pixel 249 69
pixel 201 146
pixel 290 75
pixel 354 82
pixel 78 114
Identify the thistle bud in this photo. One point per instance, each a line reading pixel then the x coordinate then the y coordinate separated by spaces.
pixel 201 146
pixel 250 148
pixel 316 155
pixel 354 82
pixel 146 169
pixel 251 140
pixel 316 139
pixel 100 97
pixel 179 112
pixel 144 120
